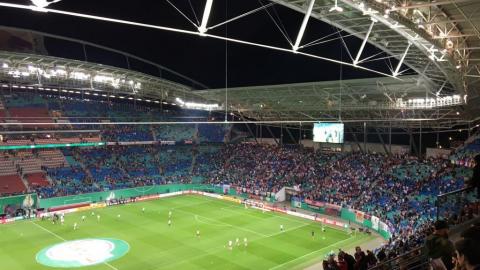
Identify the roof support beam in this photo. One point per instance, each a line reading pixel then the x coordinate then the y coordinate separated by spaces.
pixel 271 134
pixel 395 73
pixel 290 135
pixel 206 15
pixel 356 140
pixel 304 25
pixel 383 142
pixel 359 54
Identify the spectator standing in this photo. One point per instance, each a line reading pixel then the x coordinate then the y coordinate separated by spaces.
pixel 475 180
pixel 467 255
pixel 439 248
pixel 371 259
pixel 349 259
pixel 330 264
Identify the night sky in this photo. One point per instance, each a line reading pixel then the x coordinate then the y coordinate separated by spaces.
pixel 202 59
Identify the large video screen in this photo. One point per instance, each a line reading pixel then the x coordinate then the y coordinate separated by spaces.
pixel 328 132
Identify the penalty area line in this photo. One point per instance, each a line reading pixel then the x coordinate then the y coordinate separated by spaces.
pixel 65 240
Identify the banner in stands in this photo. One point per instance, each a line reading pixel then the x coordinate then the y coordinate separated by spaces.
pixel 314 203
pixel 15 205
pixel 383 227
pixel 350 215
pixel 166 142
pixel 132 143
pixel 230 199
pixel 375 221
pixel 359 216
pixel 226 189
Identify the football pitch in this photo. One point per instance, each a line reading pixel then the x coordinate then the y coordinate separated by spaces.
pixel 126 238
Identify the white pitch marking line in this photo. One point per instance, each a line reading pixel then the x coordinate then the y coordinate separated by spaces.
pixel 315 251
pixel 226 224
pixel 65 240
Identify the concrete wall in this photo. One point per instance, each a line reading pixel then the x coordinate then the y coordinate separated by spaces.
pixel 438 153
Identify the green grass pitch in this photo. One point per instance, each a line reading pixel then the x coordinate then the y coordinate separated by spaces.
pixel 155 245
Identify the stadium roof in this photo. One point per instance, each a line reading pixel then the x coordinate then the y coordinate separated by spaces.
pixel 47 73
pixel 438 40
pixel 383 100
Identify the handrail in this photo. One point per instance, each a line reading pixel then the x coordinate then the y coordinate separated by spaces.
pixel 413 259
pixel 454 192
pixel 441 197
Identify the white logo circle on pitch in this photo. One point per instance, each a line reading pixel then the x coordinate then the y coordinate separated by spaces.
pixel 83 252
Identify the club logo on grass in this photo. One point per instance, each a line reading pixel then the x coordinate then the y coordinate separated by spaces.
pixel 83 252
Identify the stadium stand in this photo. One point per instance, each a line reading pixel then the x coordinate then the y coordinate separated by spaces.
pixel 32 115
pixel 399 189
pixel 212 133
pixel 11 184
pixel 178 133
pixel 36 179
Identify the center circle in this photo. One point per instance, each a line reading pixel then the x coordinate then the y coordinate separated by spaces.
pixel 82 252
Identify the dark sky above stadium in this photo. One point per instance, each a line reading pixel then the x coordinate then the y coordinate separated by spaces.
pixel 202 59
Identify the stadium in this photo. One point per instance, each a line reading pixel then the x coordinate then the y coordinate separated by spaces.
pixel 240 134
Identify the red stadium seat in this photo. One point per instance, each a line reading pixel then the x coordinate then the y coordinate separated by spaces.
pixel 11 184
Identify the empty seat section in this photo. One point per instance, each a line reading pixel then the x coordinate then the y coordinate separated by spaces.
pixel 37 179
pixel 29 165
pixel 32 115
pixel 52 159
pixel 11 184
pixel 7 167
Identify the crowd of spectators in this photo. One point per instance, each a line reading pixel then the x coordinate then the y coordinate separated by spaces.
pixel 399 189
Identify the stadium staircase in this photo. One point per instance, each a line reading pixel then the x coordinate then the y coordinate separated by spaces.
pixel 196 135
pixel 154 133
pixel 228 135
pixel 3 112
pixel 85 169
pixel 194 161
